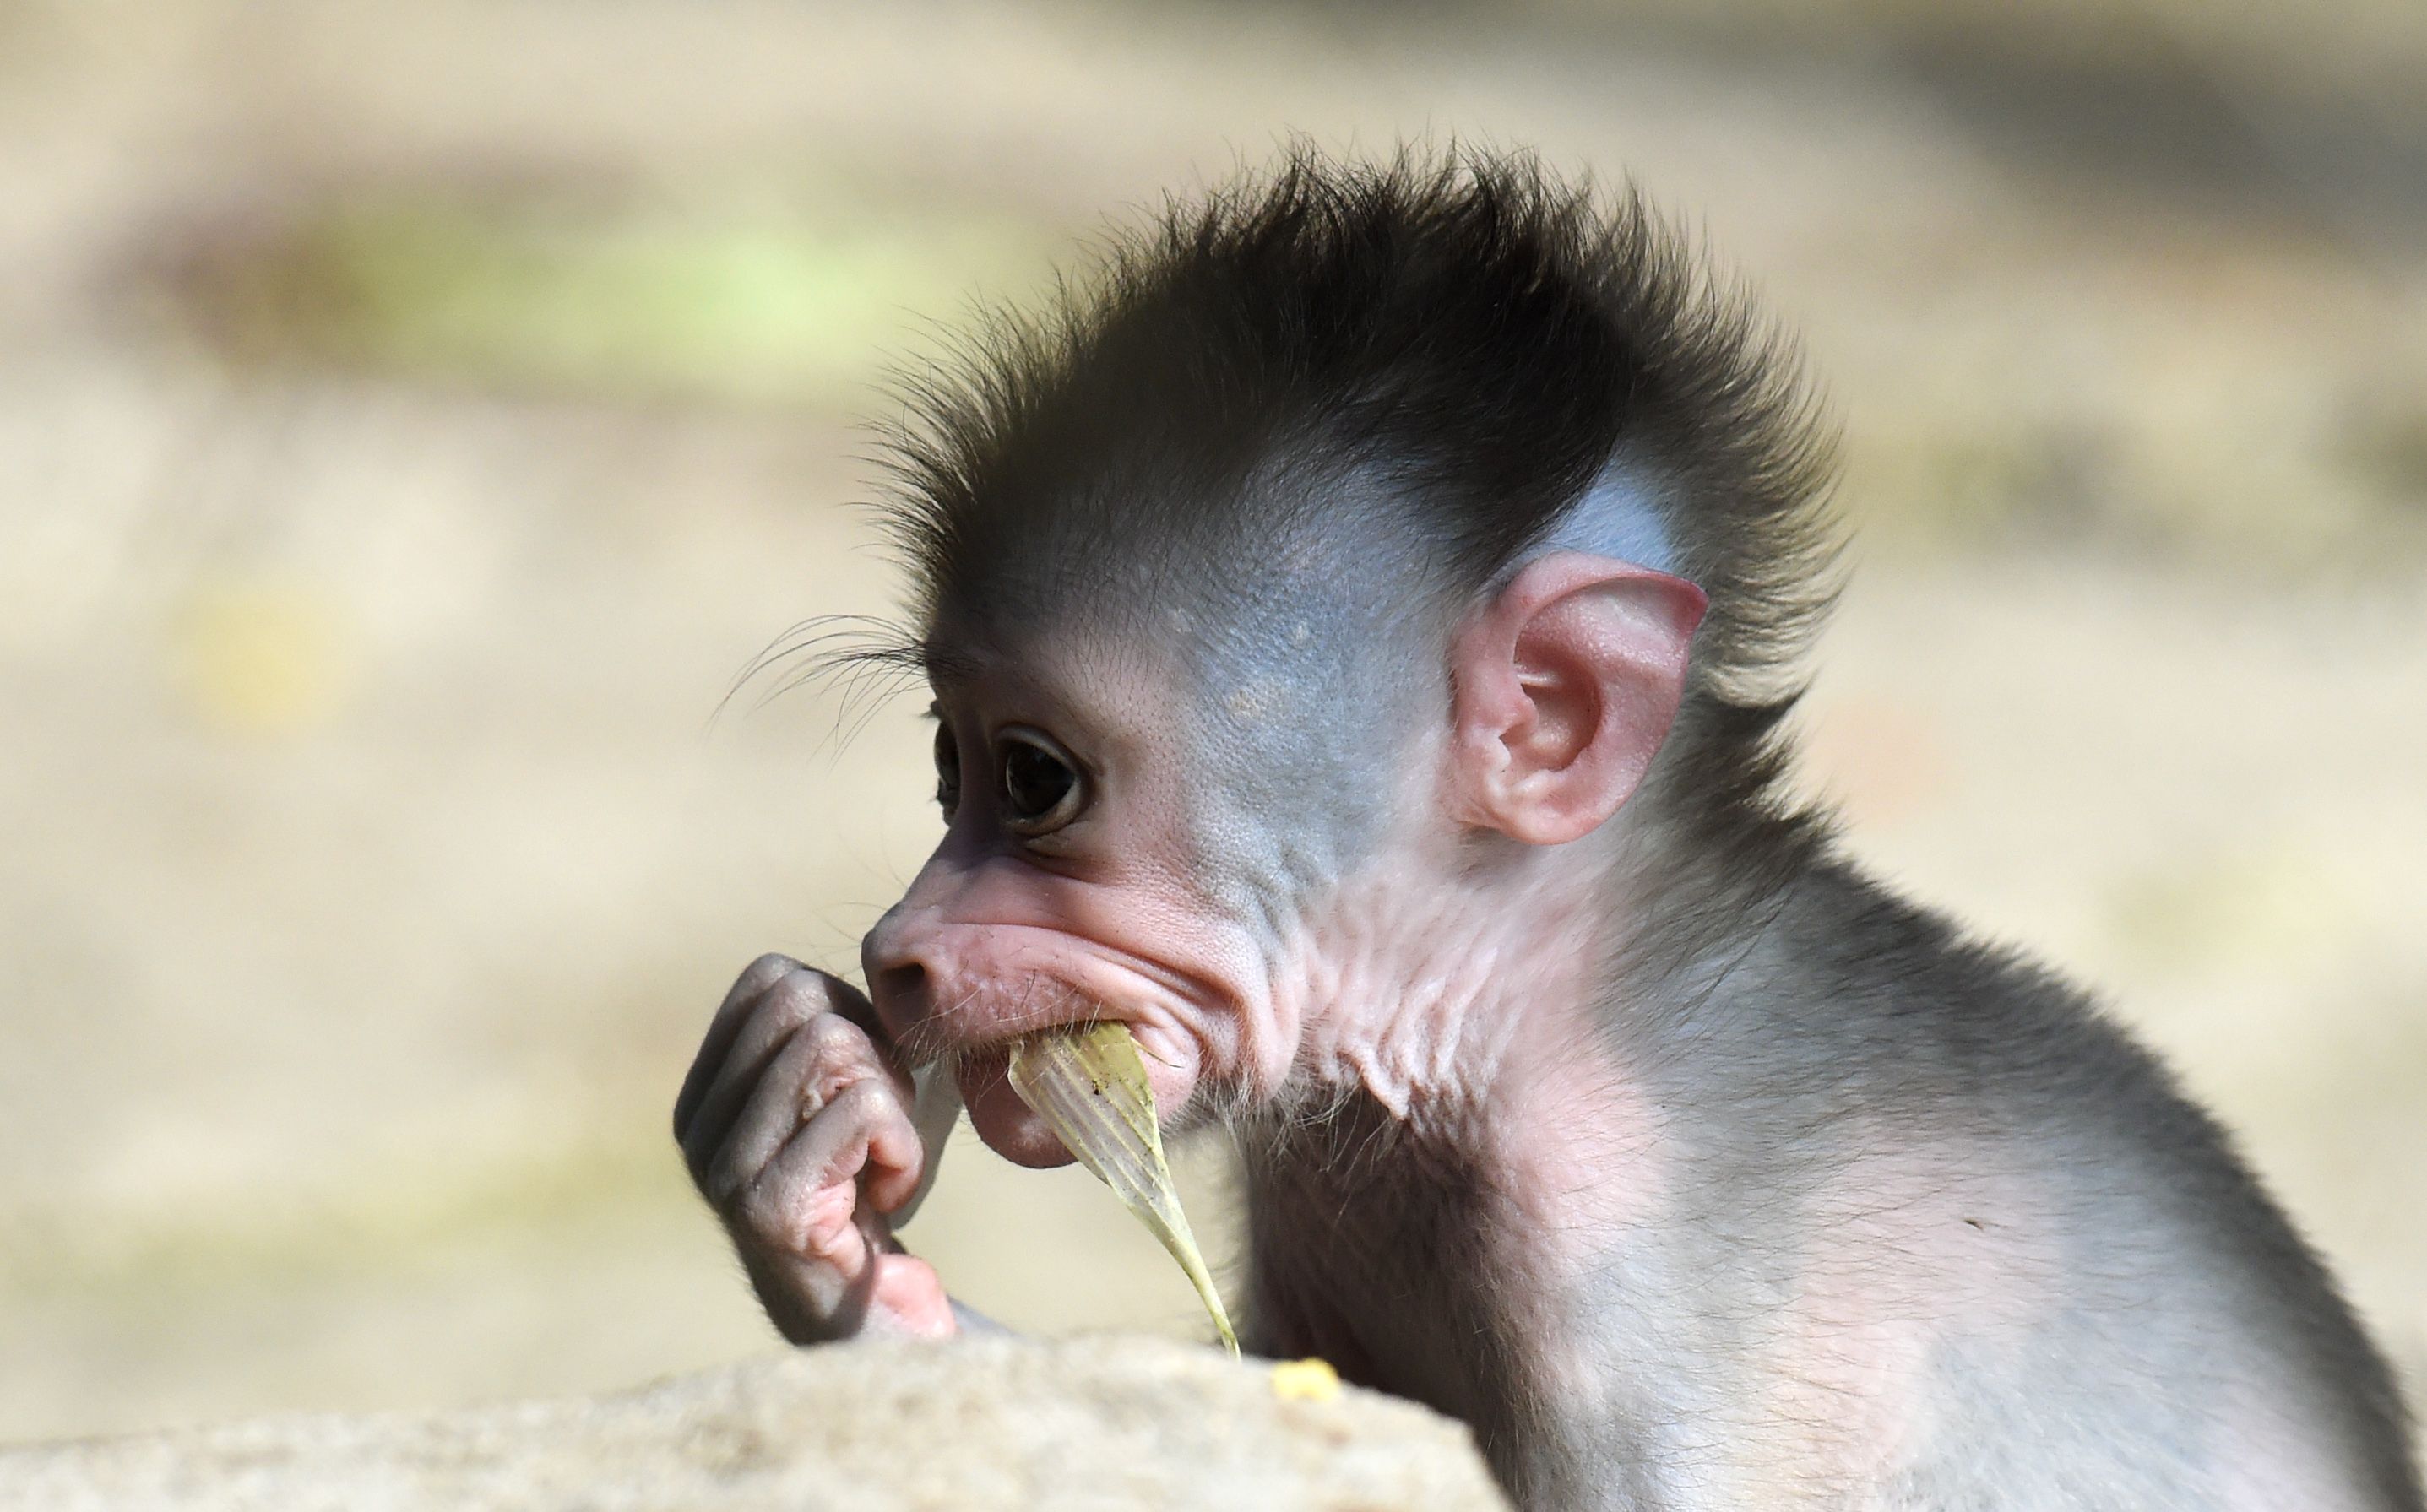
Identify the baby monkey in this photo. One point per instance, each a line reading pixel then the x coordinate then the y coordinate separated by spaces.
pixel 1362 625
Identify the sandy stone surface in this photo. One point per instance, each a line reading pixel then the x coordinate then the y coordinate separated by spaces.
pixel 1085 1423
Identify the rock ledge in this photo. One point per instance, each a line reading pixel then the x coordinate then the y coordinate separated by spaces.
pixel 1084 1423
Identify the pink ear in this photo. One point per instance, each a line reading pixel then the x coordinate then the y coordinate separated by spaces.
pixel 1567 683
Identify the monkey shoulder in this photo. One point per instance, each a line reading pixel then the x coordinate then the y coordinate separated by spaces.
pixel 1989 1063
pixel 1977 1040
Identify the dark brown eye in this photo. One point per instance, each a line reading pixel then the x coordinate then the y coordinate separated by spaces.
pixel 947 772
pixel 1042 790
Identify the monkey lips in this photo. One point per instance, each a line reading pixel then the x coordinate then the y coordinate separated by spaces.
pixel 1014 1128
pixel 963 991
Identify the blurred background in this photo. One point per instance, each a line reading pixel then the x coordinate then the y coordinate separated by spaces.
pixel 414 418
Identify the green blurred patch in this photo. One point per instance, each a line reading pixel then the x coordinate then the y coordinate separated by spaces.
pixel 803 304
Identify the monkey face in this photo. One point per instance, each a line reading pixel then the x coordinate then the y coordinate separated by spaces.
pixel 1071 885
pixel 1172 828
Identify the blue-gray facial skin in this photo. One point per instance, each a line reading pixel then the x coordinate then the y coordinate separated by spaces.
pixel 1362 630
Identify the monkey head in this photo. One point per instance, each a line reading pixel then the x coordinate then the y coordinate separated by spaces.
pixel 1313 578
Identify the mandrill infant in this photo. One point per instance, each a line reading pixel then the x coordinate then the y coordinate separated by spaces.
pixel 1361 628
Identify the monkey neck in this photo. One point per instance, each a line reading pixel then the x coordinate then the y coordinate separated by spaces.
pixel 1439 1007
pixel 1426 982
pixel 1452 1075
pixel 1448 1256
pixel 1430 1210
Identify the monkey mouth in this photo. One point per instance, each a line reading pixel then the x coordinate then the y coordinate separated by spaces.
pixel 968 1023
pixel 1015 1131
pixel 1000 1116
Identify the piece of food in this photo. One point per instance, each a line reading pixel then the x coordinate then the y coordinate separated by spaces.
pixel 1089 1085
pixel 1306 1380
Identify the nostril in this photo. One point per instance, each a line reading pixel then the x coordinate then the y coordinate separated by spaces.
pixel 902 986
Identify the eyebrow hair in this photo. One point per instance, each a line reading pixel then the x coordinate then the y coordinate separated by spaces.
pixel 945 667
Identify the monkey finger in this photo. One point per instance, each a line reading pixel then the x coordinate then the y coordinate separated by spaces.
pixel 850 1004
pixel 778 1102
pixel 747 1069
pixel 731 1015
pixel 811 1078
pixel 799 998
pixel 809 1192
pixel 896 1159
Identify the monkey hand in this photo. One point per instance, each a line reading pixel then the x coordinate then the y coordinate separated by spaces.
pixel 795 1123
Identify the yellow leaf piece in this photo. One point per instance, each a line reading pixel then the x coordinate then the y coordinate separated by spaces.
pixel 1306 1380
pixel 1089 1085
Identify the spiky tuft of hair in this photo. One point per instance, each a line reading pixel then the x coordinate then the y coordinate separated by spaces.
pixel 1484 336
pixel 1459 323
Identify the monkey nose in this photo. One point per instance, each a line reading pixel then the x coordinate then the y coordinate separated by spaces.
pixel 897 977
pixel 904 986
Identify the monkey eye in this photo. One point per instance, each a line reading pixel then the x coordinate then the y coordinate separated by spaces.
pixel 1042 790
pixel 947 772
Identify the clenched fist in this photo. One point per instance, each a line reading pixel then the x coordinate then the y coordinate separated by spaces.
pixel 795 1122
